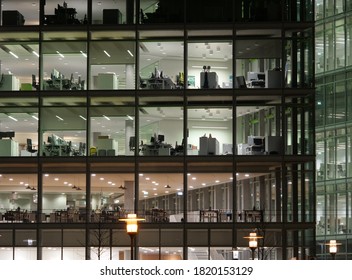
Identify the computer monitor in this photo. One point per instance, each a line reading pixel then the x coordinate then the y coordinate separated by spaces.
pixel 255 140
pixel 255 76
pixel 161 138
pixel 261 76
pixel 57 141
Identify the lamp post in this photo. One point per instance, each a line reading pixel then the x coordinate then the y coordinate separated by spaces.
pixel 132 229
pixel 333 248
pixel 253 242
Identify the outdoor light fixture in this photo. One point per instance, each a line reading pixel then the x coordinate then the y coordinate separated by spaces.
pixel 333 248
pixel 132 229
pixel 253 242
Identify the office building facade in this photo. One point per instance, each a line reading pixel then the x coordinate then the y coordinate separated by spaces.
pixel 333 124
pixel 198 116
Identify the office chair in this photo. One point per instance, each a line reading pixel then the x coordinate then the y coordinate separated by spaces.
pixel 30 147
pixel 34 82
pixel 132 143
pixel 68 149
pixel 82 148
pixel 240 82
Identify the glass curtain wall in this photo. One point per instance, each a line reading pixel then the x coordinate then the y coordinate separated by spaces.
pixel 112 127
pixel 160 122
pixel 26 53
pixel 111 12
pixel 112 62
pixel 161 61
pixel 209 197
pixel 19 13
pixel 333 122
pixel 64 61
pixel 19 127
pixel 68 13
pixel 63 127
pixel 64 198
pixel 18 198
pixel 209 61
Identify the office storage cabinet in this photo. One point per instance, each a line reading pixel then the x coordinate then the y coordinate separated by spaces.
pixel 12 18
pixel 107 81
pixel 9 82
pixel 8 148
pixel 208 146
pixel 213 146
pixel 106 144
pixel 112 16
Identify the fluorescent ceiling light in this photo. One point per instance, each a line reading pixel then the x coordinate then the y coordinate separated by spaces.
pixel 10 52
pixel 128 116
pixel 60 54
pixel 35 117
pixel 35 53
pixel 61 119
pixel 106 117
pixel 85 55
pixel 107 53
pixel 12 118
pixel 82 117
pixel 131 54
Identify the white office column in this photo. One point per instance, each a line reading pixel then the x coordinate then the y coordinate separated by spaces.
pixel 95 138
pixel 129 76
pixel 129 131
pixel 247 195
pixel 129 196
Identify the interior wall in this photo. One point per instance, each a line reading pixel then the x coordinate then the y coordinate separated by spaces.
pixel 53 201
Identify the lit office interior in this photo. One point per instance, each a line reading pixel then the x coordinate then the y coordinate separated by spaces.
pixel 161 201
pixel 207 133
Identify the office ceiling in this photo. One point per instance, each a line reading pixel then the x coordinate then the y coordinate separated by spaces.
pixel 151 184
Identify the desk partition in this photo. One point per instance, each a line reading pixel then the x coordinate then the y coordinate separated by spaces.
pixel 9 148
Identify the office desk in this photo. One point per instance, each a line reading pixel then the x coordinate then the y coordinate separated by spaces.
pixel 256 84
pixel 63 84
pixel 156 150
pixel 57 150
pixel 209 216
pixel 253 215
pixel 160 83
pixel 156 216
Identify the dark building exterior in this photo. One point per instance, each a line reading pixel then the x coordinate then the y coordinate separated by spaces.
pixel 198 116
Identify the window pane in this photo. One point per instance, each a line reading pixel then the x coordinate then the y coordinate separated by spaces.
pixel 64 66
